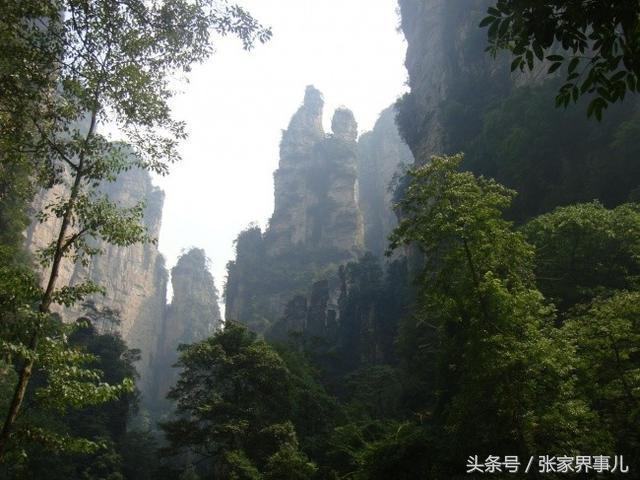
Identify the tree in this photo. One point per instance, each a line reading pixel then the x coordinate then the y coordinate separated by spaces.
pixel 235 402
pixel 99 430
pixel 502 373
pixel 607 334
pixel 97 61
pixel 584 251
pixel 24 87
pixel 599 42
pixel 116 360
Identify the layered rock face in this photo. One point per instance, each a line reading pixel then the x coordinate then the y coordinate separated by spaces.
pixel 315 314
pixel 333 201
pixel 316 224
pixel 193 315
pixel 450 73
pixel 316 202
pixel 445 48
pixel 134 277
pixel 382 158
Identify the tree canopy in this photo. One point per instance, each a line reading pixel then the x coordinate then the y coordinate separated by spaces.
pixel 67 66
pixel 599 42
pixel 235 404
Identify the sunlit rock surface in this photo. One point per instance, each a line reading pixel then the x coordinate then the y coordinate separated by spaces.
pixel 134 277
pixel 315 190
pixel 316 225
pixel 333 201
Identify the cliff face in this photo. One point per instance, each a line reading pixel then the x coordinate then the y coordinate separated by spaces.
pixel 333 201
pixel 316 183
pixel 316 224
pixel 464 100
pixel 134 277
pixel 193 315
pixel 445 60
pixel 382 157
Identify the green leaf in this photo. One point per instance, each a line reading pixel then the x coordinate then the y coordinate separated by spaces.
pixel 554 67
pixel 573 64
pixel 504 27
pixel 619 76
pixel 486 21
pixel 529 57
pixel 596 107
pixel 517 62
pixel 538 51
pixel 631 83
pixel 493 29
pixel 588 83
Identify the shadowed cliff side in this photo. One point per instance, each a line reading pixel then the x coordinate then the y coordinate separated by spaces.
pixel 463 100
pixel 193 315
pixel 382 158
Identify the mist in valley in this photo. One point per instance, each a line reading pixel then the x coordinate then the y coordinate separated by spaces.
pixel 301 240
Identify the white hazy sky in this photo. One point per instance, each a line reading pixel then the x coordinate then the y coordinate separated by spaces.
pixel 237 104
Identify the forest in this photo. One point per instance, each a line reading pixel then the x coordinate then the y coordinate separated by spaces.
pixel 453 294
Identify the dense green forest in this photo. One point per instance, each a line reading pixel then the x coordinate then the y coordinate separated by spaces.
pixel 504 319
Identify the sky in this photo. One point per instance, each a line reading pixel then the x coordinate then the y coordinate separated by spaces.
pixel 237 104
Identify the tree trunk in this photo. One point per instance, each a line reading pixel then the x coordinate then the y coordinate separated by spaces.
pixel 45 303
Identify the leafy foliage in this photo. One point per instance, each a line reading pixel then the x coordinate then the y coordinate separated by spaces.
pixel 607 335
pixel 482 361
pixel 478 362
pixel 234 398
pixel 584 251
pixel 600 44
pixel 586 161
pixel 80 400
pixel 484 325
pixel 67 66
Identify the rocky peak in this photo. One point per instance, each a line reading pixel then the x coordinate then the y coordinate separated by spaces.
pixel 190 278
pixel 344 125
pixel 316 184
pixel 305 127
pixel 192 316
pixel 313 101
pixel 195 297
pixel 316 224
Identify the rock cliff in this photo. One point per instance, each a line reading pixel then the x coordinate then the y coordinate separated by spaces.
pixel 464 100
pixel 134 277
pixel 316 224
pixel 446 61
pixel 333 201
pixel 382 158
pixel 316 202
pixel 192 316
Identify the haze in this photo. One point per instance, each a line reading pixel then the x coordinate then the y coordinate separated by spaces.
pixel 237 104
